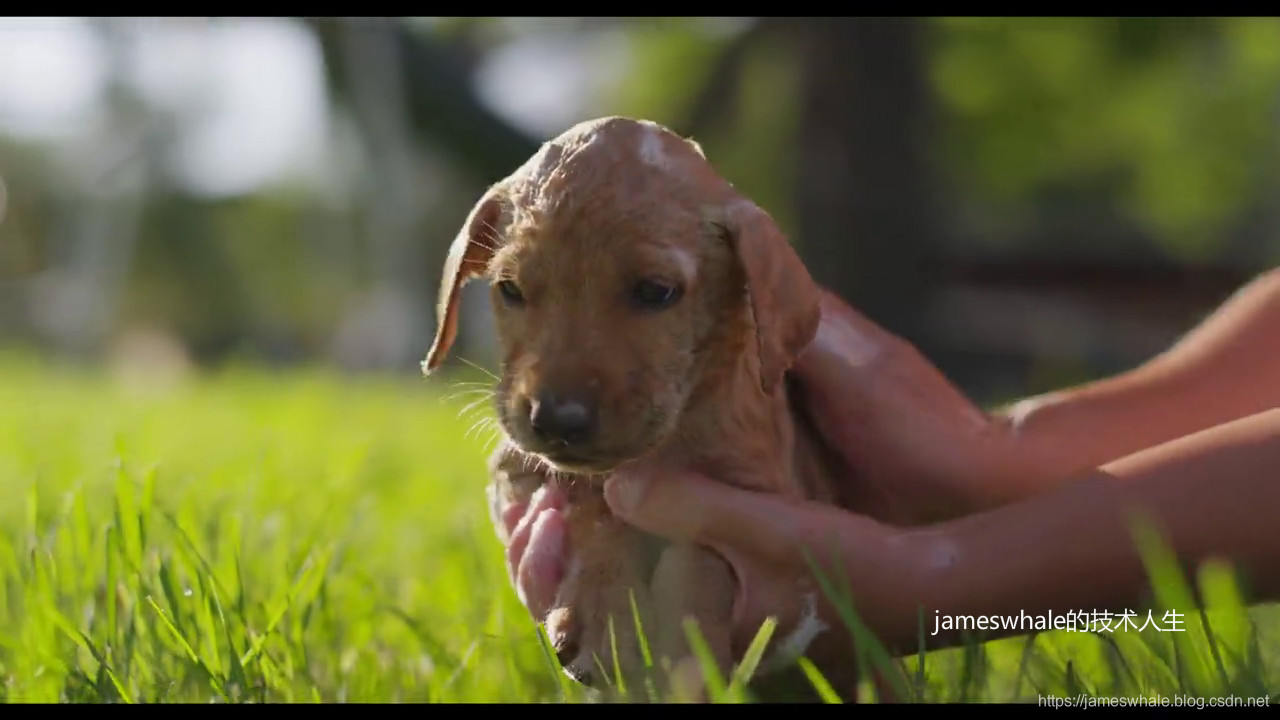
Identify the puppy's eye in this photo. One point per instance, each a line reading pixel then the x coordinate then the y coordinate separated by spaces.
pixel 510 292
pixel 654 295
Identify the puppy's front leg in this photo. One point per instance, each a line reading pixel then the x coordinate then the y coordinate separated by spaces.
pixel 693 583
pixel 592 622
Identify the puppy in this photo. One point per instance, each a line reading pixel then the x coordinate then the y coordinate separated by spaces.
pixel 648 314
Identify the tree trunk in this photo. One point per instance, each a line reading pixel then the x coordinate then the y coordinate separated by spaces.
pixel 867 205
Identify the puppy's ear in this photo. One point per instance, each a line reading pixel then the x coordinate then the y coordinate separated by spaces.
pixel 783 297
pixel 469 255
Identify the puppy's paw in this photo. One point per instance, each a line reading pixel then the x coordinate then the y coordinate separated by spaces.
pixel 593 625
pixel 564 631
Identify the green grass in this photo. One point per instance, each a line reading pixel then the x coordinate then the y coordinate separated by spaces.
pixel 304 538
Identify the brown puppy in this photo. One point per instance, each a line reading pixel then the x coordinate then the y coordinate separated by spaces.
pixel 648 314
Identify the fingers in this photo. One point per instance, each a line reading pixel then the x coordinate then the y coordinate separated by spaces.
pixel 541 568
pixel 519 519
pixel 536 548
pixel 511 517
pixel 781 550
pixel 686 507
pixel 846 340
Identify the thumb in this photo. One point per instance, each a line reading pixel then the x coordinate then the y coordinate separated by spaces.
pixel 683 506
pixel 678 505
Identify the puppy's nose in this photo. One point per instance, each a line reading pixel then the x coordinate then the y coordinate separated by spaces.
pixel 568 420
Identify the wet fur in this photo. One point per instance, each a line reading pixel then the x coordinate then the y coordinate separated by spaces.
pixel 703 390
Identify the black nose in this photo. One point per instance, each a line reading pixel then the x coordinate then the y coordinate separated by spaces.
pixel 568 420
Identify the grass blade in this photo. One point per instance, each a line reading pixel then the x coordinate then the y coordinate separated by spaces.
pixel 819 682
pixel 706 660
pixel 746 669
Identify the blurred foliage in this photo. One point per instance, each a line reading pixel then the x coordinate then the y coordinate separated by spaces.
pixel 669 65
pixel 767 120
pixel 1176 117
pixel 1166 123
pixel 1171 119
pixel 28 207
pixel 260 274
pixel 670 68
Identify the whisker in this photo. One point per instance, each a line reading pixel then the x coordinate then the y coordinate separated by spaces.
pixel 544 467
pixel 481 369
pixel 487 244
pixel 488 432
pixel 480 423
pixel 468 393
pixel 489 226
pixel 477 425
pixel 474 405
pixel 495 436
pixel 552 472
pixel 533 463
pixel 470 389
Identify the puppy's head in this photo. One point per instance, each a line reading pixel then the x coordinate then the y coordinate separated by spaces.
pixel 625 276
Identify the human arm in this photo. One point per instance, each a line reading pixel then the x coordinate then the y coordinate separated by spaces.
pixel 1211 494
pixel 1228 367
pixel 906 431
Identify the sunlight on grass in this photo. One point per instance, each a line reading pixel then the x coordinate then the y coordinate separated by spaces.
pixel 302 538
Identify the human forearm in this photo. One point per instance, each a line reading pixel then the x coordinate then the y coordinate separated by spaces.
pixel 1211 495
pixel 901 424
pixel 904 430
pixel 1227 368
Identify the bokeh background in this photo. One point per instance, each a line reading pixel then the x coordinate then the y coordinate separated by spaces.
pixel 251 215
pixel 1031 201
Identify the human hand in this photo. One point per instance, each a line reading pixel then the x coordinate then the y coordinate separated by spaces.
pixel 763 537
pixel 917 448
pixel 534 536
pixel 771 541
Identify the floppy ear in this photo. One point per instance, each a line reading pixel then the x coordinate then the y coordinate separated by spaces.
pixel 783 296
pixel 469 255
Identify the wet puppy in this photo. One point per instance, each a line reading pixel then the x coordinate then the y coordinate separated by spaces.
pixel 647 314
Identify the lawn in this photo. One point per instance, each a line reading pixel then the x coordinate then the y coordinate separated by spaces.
pixel 302 537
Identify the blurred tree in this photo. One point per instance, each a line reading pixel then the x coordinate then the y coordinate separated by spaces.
pixel 441 101
pixel 902 156
pixel 1171 119
pixel 409 87
pixel 77 294
pixel 866 198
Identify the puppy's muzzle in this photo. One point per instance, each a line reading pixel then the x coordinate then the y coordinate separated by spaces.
pixel 562 420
